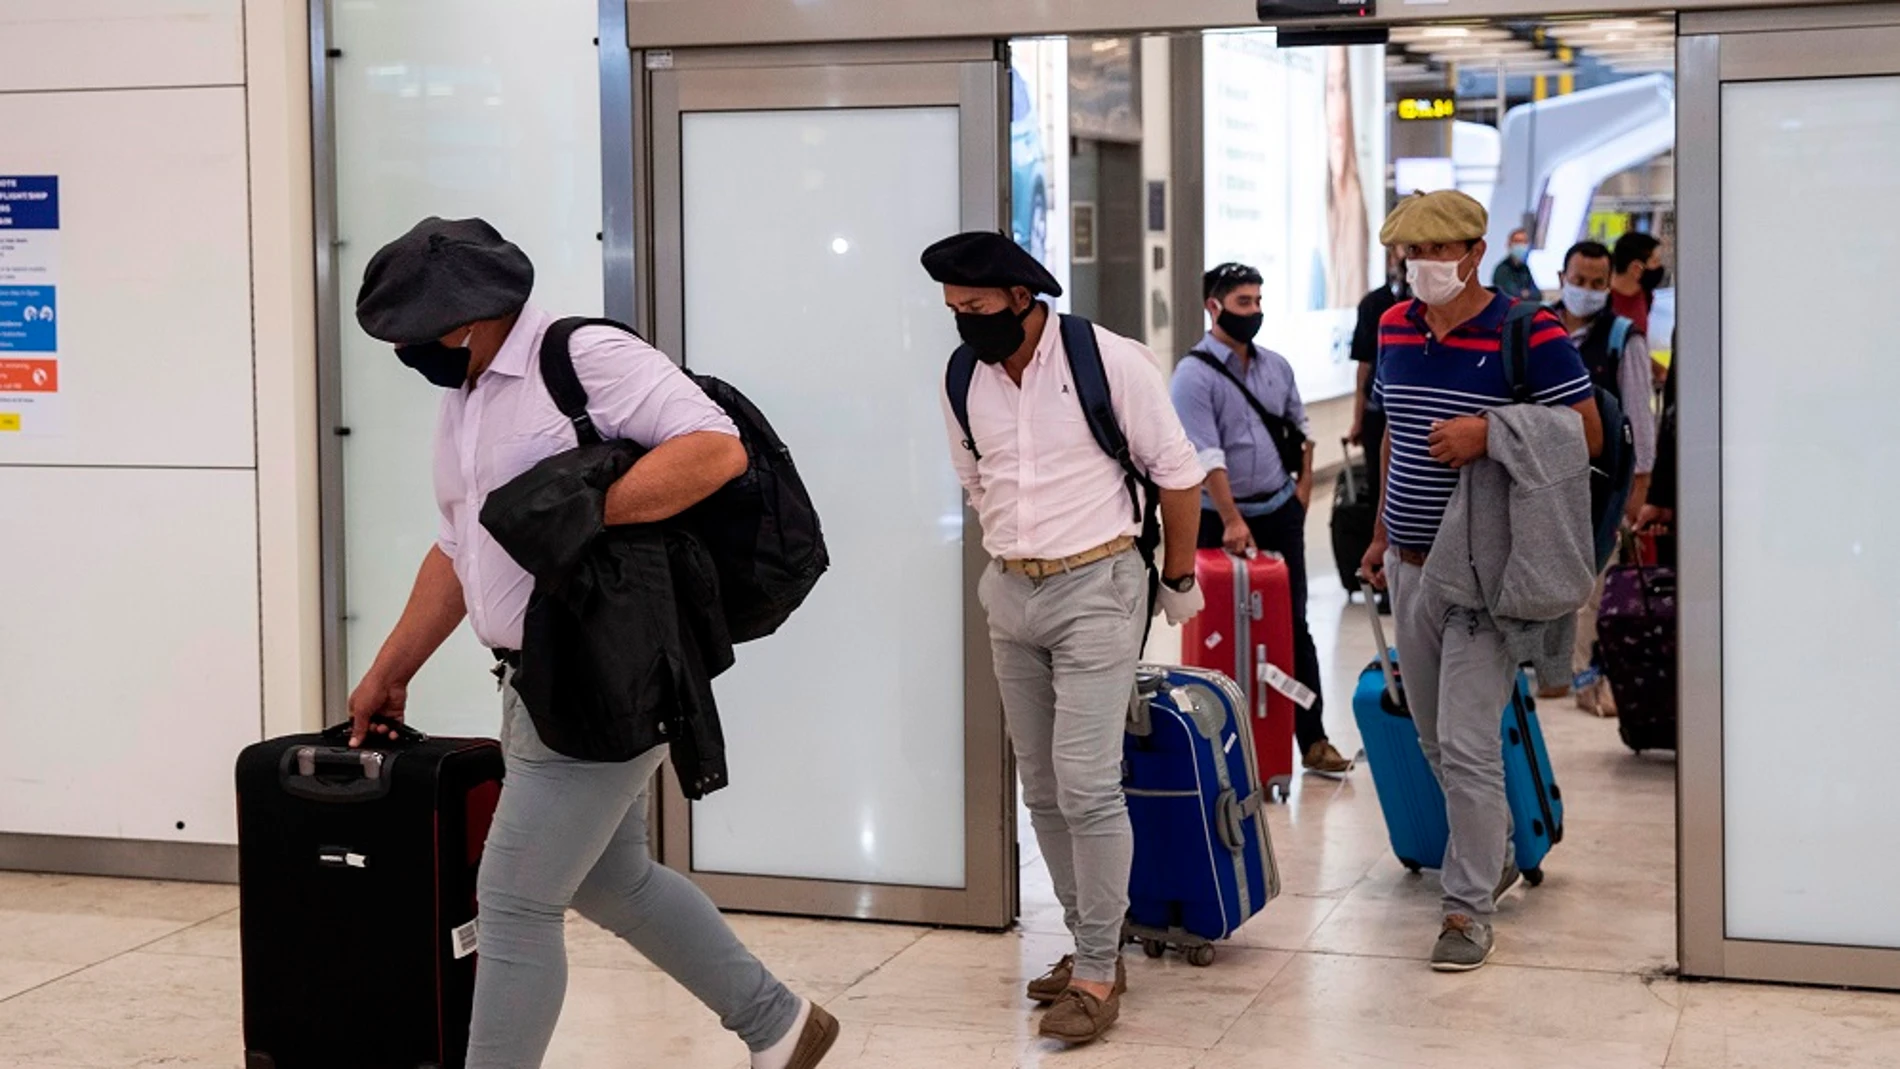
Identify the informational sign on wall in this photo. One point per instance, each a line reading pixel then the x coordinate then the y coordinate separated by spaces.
pixel 29 304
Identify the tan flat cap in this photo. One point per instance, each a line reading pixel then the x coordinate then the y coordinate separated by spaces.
pixel 1432 218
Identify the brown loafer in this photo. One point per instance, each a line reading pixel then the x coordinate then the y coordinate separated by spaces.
pixel 1049 987
pixel 821 1031
pixel 1079 1017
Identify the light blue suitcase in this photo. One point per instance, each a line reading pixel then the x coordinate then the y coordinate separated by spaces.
pixel 1203 856
pixel 1409 794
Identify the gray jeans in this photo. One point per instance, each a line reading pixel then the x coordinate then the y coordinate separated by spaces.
pixel 1458 675
pixel 571 832
pixel 1065 650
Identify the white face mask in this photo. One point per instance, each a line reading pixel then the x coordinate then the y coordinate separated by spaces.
pixel 1584 303
pixel 1434 281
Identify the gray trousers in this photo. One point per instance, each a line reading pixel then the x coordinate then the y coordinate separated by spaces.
pixel 571 832
pixel 1065 650
pixel 1458 675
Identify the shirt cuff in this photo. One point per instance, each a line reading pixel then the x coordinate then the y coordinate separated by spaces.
pixel 1212 459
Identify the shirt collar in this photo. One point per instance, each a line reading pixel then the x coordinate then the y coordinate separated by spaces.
pixel 1214 346
pixel 1051 333
pixel 1490 320
pixel 518 351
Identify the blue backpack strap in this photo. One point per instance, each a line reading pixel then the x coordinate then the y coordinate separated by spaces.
pixel 1620 336
pixel 1098 411
pixel 956 385
pixel 1516 349
pixel 1091 387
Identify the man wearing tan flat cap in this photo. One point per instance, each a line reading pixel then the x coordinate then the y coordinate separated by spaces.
pixel 1441 372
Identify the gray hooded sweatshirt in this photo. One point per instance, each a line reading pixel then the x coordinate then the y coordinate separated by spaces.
pixel 1516 540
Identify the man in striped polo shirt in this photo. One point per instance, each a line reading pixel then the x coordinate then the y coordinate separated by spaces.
pixel 1440 369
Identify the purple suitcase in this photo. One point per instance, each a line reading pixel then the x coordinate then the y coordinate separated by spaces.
pixel 1636 632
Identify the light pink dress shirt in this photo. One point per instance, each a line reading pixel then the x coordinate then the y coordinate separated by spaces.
pixel 507 424
pixel 1043 488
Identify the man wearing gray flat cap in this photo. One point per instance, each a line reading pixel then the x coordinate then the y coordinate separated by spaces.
pixel 452 297
pixel 1445 380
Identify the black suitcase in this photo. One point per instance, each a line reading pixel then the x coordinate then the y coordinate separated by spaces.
pixel 1353 514
pixel 356 874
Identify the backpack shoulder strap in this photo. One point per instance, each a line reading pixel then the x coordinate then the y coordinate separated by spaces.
pixel 1620 336
pixel 1517 349
pixel 956 386
pixel 1098 410
pixel 1091 387
pixel 564 385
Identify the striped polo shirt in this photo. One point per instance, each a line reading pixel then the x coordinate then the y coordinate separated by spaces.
pixel 1422 379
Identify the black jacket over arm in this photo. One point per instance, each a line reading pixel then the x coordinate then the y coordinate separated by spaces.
pixel 624 631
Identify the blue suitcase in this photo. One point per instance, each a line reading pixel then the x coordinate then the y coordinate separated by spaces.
pixel 1409 794
pixel 1203 856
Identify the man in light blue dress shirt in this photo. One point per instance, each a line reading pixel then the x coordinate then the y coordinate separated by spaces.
pixel 1250 500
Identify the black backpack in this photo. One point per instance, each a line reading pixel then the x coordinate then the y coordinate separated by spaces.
pixel 1614 469
pixel 1098 409
pixel 761 528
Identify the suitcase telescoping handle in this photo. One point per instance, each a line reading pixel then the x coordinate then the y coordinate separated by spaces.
pixel 1345 469
pixel 1379 646
pixel 336 773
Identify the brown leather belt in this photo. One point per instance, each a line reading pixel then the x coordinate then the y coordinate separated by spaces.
pixel 1412 557
pixel 1043 569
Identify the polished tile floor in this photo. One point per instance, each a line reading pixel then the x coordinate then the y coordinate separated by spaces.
pixel 100 973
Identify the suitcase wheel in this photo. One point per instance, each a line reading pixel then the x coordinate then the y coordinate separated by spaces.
pixel 1534 877
pixel 1154 948
pixel 1200 956
pixel 1411 866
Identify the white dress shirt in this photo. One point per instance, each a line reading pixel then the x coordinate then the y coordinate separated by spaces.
pixel 1043 488
pixel 506 423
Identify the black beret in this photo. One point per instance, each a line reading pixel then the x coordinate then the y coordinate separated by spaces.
pixel 986 259
pixel 443 274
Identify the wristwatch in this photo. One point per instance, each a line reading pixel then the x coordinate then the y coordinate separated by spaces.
pixel 1181 585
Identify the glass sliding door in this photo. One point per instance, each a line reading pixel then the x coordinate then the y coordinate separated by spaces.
pixel 1790 126
pixel 791 200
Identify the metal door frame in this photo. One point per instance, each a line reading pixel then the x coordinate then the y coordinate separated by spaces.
pixel 967 75
pixel 1713 50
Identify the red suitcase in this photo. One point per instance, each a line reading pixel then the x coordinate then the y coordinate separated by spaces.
pixel 1247 625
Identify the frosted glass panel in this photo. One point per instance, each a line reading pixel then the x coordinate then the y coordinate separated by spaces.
pixel 1811 516
pixel 452 108
pixel 845 730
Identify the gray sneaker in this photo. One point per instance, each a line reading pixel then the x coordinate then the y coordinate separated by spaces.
pixel 1463 945
pixel 1511 879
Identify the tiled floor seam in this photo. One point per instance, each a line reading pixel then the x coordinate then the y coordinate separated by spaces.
pixel 62 977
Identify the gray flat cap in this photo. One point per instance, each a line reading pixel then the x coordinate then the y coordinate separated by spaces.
pixel 442 274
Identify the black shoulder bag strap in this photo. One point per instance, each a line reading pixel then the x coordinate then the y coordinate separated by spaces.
pixel 557 372
pixel 1288 439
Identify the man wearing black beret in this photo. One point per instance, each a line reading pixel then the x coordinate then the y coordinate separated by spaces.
pixel 452 297
pixel 1068 599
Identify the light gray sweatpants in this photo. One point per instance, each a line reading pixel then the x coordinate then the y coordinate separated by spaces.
pixel 1458 675
pixel 1065 650
pixel 571 832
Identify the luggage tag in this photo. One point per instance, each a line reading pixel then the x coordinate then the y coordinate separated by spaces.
pixel 1301 694
pixel 466 939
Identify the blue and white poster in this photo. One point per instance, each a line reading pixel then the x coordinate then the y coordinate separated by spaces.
pixel 29 304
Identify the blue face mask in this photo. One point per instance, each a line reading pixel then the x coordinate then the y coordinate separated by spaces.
pixel 1520 251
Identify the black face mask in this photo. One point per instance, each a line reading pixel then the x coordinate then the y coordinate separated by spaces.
pixel 1652 279
pixel 445 366
pixel 1239 327
pixel 994 337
